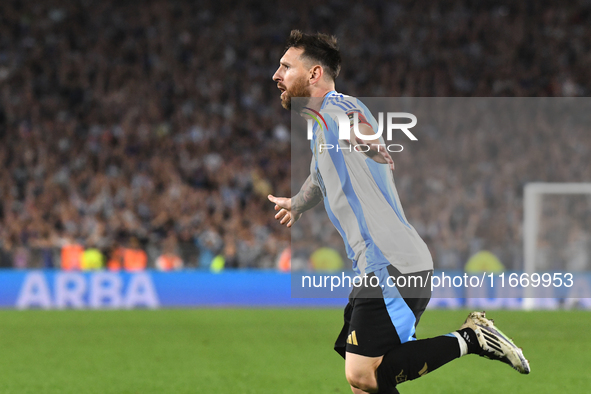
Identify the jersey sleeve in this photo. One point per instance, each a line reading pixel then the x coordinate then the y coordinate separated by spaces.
pixel 352 107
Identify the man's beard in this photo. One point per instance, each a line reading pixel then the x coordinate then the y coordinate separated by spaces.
pixel 299 89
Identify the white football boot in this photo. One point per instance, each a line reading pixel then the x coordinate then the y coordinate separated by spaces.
pixel 494 344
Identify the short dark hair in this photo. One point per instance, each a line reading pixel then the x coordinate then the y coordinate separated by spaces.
pixel 318 47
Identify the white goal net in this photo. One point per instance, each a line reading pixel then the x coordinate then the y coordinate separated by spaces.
pixel 557 227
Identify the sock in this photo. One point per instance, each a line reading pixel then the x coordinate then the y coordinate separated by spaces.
pixel 414 359
pixel 467 336
pixel 461 342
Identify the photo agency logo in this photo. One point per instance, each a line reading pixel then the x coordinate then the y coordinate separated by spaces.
pixel 350 119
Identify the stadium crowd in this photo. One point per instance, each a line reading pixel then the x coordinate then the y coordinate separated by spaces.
pixel 157 128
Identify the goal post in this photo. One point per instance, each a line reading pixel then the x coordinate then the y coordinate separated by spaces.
pixel 568 216
pixel 532 207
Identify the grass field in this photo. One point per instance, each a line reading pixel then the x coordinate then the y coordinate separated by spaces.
pixel 233 351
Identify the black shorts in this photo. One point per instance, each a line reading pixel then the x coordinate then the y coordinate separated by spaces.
pixel 376 322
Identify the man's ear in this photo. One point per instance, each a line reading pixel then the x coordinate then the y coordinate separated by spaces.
pixel 316 72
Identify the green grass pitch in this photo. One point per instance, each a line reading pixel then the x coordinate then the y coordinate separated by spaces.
pixel 231 351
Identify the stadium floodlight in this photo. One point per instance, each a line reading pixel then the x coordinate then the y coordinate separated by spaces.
pixel 552 214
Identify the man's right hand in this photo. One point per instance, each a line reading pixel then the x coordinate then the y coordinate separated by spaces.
pixel 285 215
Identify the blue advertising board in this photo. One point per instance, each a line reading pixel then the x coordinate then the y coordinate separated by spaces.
pixel 148 289
pixel 153 289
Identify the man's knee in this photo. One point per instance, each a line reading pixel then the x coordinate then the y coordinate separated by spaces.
pixel 361 371
pixel 357 391
pixel 362 380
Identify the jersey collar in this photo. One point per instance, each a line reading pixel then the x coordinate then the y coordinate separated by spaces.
pixel 327 95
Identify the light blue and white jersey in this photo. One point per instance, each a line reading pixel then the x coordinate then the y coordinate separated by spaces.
pixel 361 199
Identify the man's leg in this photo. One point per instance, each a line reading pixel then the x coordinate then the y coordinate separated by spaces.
pixel 361 372
pixel 405 362
pixel 414 359
pixel 358 391
pixel 370 340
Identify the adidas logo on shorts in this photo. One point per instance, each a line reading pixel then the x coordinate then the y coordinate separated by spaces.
pixel 352 339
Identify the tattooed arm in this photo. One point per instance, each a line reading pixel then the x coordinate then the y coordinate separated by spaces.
pixel 308 197
pixel 291 209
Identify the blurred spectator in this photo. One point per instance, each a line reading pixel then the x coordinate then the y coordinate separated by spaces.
pixel 284 260
pixel 230 259
pixel 134 258
pixel 188 251
pixel 72 256
pixel 21 257
pixel 115 262
pixel 169 260
pixel 6 260
pixel 326 260
pixel 483 261
pixel 218 263
pixel 92 259
pixel 209 243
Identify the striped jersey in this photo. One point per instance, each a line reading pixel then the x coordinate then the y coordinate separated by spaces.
pixel 360 197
